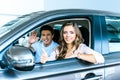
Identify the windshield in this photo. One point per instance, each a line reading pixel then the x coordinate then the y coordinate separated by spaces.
pixel 12 24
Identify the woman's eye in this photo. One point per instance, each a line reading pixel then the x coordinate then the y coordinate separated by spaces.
pixel 71 32
pixel 65 32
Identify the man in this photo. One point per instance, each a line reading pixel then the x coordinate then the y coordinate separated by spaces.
pixel 45 45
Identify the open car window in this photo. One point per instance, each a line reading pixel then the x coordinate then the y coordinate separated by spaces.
pixel 83 24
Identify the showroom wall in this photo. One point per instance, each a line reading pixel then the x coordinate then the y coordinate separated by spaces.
pixel 10 9
pixel 108 5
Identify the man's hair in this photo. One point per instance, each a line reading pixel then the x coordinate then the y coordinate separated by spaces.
pixel 47 27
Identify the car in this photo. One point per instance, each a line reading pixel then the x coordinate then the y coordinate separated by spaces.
pixel 100 30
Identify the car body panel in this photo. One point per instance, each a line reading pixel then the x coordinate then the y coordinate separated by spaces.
pixel 57 68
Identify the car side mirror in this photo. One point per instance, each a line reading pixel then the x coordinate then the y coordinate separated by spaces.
pixel 19 57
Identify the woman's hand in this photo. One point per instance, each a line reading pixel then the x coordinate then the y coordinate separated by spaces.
pixel 74 55
pixel 87 57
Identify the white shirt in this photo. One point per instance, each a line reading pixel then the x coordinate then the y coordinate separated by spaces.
pixel 82 49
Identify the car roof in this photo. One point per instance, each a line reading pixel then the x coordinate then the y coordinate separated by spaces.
pixel 81 11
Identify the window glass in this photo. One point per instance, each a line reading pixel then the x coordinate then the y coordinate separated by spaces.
pixel 12 24
pixel 113 28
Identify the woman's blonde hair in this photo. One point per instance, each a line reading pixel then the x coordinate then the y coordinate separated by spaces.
pixel 63 48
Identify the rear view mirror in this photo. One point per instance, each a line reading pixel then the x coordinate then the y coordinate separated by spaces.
pixel 19 57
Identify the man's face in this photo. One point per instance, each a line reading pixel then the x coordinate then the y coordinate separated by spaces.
pixel 46 37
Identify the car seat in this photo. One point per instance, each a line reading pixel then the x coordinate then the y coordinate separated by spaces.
pixel 56 35
pixel 85 35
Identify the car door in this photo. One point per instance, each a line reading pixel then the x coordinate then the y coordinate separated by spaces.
pixel 73 70
pixel 111 32
pixel 70 69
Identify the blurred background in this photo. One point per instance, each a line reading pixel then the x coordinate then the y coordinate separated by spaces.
pixel 11 9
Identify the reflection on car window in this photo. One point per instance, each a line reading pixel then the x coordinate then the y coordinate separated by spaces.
pixel 11 25
pixel 113 28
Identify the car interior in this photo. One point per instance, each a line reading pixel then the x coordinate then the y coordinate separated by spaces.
pixel 83 24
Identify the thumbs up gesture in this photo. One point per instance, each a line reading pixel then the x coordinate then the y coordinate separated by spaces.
pixel 44 57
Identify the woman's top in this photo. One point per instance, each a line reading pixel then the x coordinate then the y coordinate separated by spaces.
pixel 82 49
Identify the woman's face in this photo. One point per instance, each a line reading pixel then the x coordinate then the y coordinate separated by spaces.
pixel 69 34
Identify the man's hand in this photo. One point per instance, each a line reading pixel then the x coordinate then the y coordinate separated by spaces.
pixel 44 57
pixel 33 37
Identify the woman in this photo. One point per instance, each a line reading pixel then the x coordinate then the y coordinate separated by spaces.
pixel 71 45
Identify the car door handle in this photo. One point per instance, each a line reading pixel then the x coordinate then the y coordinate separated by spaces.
pixel 92 76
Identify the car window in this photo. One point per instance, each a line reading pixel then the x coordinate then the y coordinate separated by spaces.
pixel 83 24
pixel 11 25
pixel 113 28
